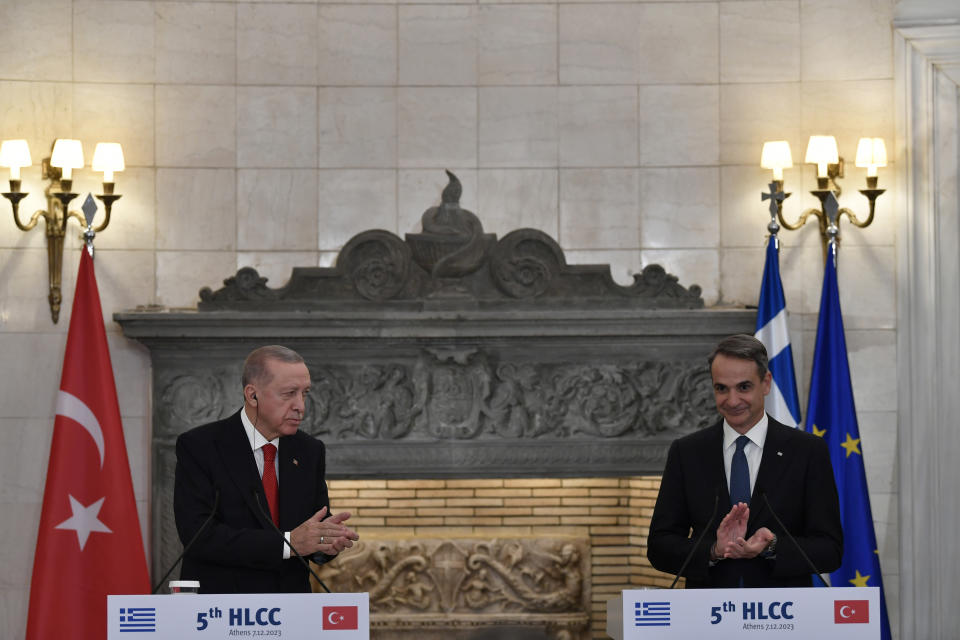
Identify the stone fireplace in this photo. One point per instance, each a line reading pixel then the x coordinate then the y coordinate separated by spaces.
pixel 495 418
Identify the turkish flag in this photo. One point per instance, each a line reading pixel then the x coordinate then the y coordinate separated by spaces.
pixel 89 544
pixel 342 618
pixel 847 611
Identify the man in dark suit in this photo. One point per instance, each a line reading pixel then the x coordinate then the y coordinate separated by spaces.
pixel 255 466
pixel 741 463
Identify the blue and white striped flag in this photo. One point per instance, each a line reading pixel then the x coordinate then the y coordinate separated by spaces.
pixel 783 402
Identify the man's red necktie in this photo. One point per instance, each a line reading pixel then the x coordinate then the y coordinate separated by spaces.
pixel 270 486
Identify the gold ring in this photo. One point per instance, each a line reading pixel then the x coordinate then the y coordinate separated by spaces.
pixel 321 539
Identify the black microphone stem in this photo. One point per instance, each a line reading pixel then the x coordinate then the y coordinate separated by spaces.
pixel 806 558
pixel 213 511
pixel 716 503
pixel 293 551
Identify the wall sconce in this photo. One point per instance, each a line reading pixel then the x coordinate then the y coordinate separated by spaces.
pixel 822 151
pixel 67 155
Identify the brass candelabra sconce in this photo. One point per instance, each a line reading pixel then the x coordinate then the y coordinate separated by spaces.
pixel 822 151
pixel 58 169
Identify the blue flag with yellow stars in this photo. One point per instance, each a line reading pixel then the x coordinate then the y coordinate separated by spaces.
pixel 831 415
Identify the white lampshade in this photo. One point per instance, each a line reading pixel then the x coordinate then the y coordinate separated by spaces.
pixel 67 155
pixel 15 154
pixel 821 151
pixel 776 155
pixel 108 157
pixel 871 153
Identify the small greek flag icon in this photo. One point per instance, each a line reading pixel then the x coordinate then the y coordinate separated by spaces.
pixel 652 614
pixel 138 619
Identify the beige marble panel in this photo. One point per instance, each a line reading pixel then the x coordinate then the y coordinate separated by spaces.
pixel 418 190
pixel 115 113
pixel 277 127
pixel 517 44
pixel 438 45
pixel 18 534
pixel 196 42
pixel 277 44
pixel 511 199
pixel 518 127
pixel 357 127
pixel 196 126
pixel 866 277
pixel 181 274
pixel 741 275
pixel 624 263
pixel 276 209
pixel 873 368
pixel 24 459
pixel 760 41
pixel 196 209
pixel 35 49
pixel 589 141
pixel 848 40
pixel 131 371
pixel 679 125
pixel 113 41
pixel 743 216
pixel 357 45
pixel 24 288
pixel 691 266
pixel 751 114
pixel 680 208
pixel 848 111
pixel 39 112
pixel 599 44
pixel 33 373
pixel 437 127
pixel 354 200
pixel 599 209
pixel 276 266
pixel 132 218
pixel 125 279
pixel 678 43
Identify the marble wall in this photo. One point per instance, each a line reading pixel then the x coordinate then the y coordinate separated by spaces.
pixel 268 133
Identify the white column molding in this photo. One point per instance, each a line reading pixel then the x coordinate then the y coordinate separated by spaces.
pixel 926 69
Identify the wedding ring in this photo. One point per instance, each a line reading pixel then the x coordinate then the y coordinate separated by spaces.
pixel 321 539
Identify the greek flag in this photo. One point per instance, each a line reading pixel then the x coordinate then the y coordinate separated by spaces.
pixel 783 402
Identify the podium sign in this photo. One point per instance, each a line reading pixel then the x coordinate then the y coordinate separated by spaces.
pixel 707 614
pixel 290 616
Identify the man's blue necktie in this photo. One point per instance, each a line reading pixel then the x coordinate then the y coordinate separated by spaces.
pixel 740 474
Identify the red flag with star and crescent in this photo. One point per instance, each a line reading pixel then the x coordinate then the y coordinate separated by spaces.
pixel 89 543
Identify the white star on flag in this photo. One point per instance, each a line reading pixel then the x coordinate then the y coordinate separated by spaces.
pixel 84 520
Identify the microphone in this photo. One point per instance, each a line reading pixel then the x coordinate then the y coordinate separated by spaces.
pixel 693 550
pixel 806 558
pixel 216 503
pixel 256 496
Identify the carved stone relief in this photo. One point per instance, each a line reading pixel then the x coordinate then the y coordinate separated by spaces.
pixel 459 583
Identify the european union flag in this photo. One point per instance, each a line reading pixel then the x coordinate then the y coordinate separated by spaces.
pixel 831 415
pixel 783 401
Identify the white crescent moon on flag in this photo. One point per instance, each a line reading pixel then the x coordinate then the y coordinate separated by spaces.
pixel 843 613
pixel 330 617
pixel 70 406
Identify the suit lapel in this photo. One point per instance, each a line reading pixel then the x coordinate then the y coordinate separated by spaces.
pixel 776 457
pixel 290 479
pixel 240 465
pixel 713 459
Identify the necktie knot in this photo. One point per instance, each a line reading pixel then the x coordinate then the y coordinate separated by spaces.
pixel 741 443
pixel 269 453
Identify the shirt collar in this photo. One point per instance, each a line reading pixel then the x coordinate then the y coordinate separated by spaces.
pixel 255 438
pixel 757 433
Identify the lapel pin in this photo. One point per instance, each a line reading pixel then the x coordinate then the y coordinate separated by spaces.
pixel 779 453
pixel 296 462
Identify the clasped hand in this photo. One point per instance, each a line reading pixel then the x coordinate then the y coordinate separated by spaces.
pixel 323 533
pixel 731 541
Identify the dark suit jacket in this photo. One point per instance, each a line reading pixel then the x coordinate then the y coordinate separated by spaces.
pixel 795 473
pixel 240 552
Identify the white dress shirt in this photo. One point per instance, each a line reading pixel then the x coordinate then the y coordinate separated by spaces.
pixel 753 450
pixel 256 445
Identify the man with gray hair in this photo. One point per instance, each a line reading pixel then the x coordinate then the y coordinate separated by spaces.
pixel 258 479
pixel 758 469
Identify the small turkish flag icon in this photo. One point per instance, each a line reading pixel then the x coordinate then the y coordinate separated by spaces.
pixel 847 611
pixel 340 618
